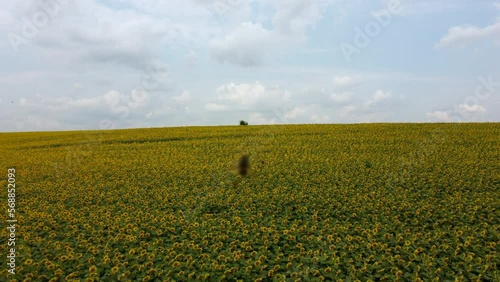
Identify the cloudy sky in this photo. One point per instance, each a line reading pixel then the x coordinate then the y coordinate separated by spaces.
pixel 90 64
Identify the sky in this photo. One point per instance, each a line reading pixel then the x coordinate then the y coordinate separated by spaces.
pixel 106 64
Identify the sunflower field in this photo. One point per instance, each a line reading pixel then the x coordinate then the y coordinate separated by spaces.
pixel 360 202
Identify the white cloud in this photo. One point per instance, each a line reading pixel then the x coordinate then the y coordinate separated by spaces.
pixel 347 110
pixel 318 118
pixel 184 97
pixel 255 94
pixel 295 113
pixel 340 16
pixel 293 17
pixel 471 108
pixel 268 104
pixel 20 78
pixel 378 107
pixel 251 44
pixel 427 7
pixel 461 35
pixel 465 34
pixel 22 101
pixel 260 118
pixel 378 97
pixel 306 113
pixel 191 59
pixel 89 62
pixel 77 86
pixel 439 115
pixel 214 107
pixel 83 112
pixel 104 34
pixel 248 45
pixel 342 81
pixel 243 94
pixel 341 97
pixel 343 89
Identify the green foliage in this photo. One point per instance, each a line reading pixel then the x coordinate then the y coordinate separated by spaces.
pixel 407 202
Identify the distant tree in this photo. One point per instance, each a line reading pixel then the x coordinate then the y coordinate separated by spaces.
pixel 242 122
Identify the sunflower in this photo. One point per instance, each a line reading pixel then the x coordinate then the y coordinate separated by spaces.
pixel 28 262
